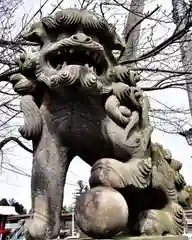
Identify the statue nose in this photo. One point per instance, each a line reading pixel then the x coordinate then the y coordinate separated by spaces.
pixel 81 38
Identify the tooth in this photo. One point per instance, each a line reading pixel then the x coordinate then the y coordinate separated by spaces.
pixel 92 68
pixel 86 65
pixel 58 67
pixel 71 50
pixel 59 52
pixel 64 64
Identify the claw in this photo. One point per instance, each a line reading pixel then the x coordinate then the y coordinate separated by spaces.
pixel 58 67
pixel 91 68
pixel 64 65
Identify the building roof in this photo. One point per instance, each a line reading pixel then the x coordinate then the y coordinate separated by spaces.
pixel 7 210
pixel 189 221
pixel 23 216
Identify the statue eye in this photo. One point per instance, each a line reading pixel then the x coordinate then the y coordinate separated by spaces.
pixel 94 38
pixel 91 34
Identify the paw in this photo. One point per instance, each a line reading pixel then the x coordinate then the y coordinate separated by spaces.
pixel 36 229
pixel 126 112
pixel 40 228
pixel 21 84
pixel 118 113
pixel 107 172
pixel 132 96
pixel 123 115
pixel 121 91
pixel 136 94
pixel 123 74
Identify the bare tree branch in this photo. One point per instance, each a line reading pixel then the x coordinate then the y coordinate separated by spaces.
pixel 6 140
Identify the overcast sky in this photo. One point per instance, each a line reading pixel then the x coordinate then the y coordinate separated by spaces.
pixel 18 187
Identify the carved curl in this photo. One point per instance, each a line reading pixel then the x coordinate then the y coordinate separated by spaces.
pixel 32 128
pixel 161 222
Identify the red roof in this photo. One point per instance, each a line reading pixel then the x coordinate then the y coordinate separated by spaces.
pixel 14 217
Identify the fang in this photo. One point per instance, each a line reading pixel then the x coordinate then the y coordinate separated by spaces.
pixel 64 64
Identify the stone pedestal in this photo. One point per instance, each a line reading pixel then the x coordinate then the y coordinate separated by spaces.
pixel 179 237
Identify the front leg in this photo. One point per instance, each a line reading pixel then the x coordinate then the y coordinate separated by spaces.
pixel 50 165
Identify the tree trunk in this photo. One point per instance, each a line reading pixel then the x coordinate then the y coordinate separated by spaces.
pixel 180 10
pixel 135 15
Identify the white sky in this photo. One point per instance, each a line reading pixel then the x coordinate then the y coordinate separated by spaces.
pixel 18 187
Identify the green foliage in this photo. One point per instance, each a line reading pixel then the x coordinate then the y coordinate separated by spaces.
pixel 188 188
pixel 19 208
pixel 82 187
pixel 67 209
pixel 4 202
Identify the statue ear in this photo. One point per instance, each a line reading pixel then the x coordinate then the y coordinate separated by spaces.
pixel 117 42
pixel 118 45
pixel 35 33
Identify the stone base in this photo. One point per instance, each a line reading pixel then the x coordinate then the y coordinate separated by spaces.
pixel 176 237
pixel 181 237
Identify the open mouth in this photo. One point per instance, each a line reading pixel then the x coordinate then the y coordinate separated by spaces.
pixel 78 56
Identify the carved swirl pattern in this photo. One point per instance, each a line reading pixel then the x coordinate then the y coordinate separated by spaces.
pixel 179 219
pixel 32 128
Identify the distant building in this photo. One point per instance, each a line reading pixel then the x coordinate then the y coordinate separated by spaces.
pixel 66 223
pixel 188 213
pixel 5 211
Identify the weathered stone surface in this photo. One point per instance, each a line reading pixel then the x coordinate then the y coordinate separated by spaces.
pixel 78 100
pixel 154 238
pixel 97 212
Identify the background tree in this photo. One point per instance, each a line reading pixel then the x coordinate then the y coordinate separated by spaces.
pixel 188 188
pixel 82 187
pixel 4 202
pixel 12 44
pixel 19 208
pixel 153 38
pixel 67 209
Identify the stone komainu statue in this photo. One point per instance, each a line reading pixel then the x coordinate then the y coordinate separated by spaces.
pixel 78 99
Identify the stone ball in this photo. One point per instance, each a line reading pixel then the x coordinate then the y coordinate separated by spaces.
pixel 101 212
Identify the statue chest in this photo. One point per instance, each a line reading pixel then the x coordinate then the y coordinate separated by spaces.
pixel 78 120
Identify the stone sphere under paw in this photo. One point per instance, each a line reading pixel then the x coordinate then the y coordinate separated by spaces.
pixel 101 212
